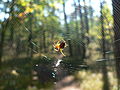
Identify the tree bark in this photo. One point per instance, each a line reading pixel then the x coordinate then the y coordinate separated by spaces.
pixel 116 16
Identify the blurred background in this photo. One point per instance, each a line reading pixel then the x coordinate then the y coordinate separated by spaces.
pixel 30 28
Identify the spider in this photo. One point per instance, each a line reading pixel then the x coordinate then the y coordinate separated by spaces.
pixel 59 46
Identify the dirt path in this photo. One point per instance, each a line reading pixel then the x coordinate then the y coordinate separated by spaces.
pixel 67 83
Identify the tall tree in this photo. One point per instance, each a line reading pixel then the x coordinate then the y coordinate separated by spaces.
pixel 82 29
pixel 116 16
pixel 91 14
pixel 68 30
pixel 108 24
pixel 86 20
pixel 76 20
pixel 4 26
pixel 30 35
pixel 44 39
pixel 81 21
pixel 104 69
pixel 77 29
pixel 12 26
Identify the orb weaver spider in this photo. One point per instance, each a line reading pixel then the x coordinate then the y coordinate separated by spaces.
pixel 59 46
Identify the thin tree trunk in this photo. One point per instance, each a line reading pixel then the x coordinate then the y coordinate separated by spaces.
pixel 3 32
pixel 76 28
pixel 30 37
pixel 91 14
pixel 11 26
pixel 44 40
pixel 83 50
pixel 68 30
pixel 81 21
pixel 104 68
pixel 102 31
pixel 77 31
pixel 4 28
pixel 86 20
pixel 86 17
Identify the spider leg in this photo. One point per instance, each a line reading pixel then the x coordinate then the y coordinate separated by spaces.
pixel 62 52
pixel 58 42
pixel 53 45
pixel 66 45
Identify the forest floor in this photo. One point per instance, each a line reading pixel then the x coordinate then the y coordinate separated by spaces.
pixel 67 83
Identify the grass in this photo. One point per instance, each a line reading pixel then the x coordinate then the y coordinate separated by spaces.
pixel 89 80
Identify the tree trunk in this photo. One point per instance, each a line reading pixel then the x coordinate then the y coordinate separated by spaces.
pixel 11 26
pixel 77 31
pixel 30 37
pixel 44 40
pixel 116 16
pixel 83 48
pixel 81 21
pixel 68 30
pixel 91 14
pixel 4 28
pixel 86 21
pixel 104 68
pixel 76 21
